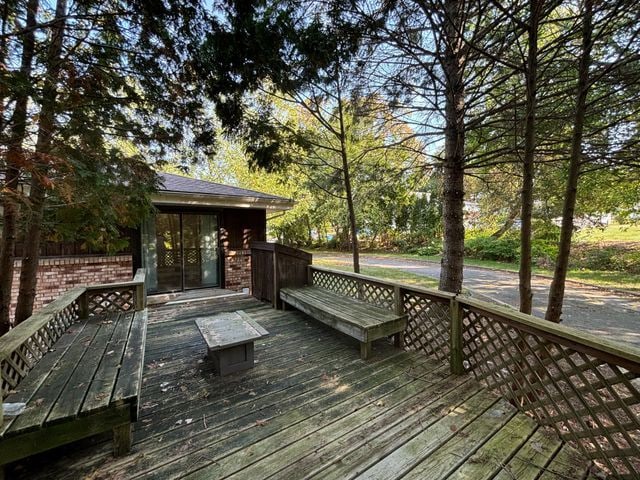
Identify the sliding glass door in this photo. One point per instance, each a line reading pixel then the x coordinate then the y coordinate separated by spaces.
pixel 180 251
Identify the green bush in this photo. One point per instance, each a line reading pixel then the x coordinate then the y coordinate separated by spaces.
pixel 489 248
pixel 616 258
pixel 432 248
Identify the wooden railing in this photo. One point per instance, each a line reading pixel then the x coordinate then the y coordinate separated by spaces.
pixel 582 386
pixel 23 346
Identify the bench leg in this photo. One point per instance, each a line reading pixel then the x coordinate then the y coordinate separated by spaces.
pixel 365 350
pixel 121 440
pixel 398 340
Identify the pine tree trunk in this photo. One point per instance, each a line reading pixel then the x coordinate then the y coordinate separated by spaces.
pixel 15 158
pixel 355 247
pixel 556 292
pixel 46 126
pixel 531 73
pixel 451 272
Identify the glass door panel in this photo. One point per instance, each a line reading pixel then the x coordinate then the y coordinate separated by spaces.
pixel 168 252
pixel 200 250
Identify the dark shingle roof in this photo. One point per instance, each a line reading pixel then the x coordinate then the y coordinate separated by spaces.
pixel 180 184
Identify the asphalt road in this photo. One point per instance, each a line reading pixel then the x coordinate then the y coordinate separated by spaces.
pixel 614 315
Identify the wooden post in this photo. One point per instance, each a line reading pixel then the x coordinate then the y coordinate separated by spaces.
pixel 141 297
pixel 276 280
pixel 455 338
pixel 309 275
pixel 398 307
pixel 121 440
pixel 365 350
pixel 83 303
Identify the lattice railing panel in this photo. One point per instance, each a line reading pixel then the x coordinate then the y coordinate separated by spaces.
pixel 428 324
pixel 103 301
pixel 589 401
pixel 353 287
pixel 23 358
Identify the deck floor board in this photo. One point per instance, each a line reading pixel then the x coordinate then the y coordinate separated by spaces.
pixel 309 409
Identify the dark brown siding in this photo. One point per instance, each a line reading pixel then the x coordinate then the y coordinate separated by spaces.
pixel 239 227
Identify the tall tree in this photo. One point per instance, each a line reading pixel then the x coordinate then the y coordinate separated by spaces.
pixel 43 154
pixel 526 215
pixel 15 163
pixel 604 136
pixel 111 74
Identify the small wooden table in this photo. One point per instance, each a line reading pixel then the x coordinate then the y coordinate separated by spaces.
pixel 229 337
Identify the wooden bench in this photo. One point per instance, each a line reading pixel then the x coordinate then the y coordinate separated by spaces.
pixel 358 319
pixel 229 337
pixel 76 377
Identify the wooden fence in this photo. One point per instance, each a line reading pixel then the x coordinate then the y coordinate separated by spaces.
pixel 23 346
pixel 275 266
pixel 580 385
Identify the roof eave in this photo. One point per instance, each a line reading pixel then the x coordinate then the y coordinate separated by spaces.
pixel 224 201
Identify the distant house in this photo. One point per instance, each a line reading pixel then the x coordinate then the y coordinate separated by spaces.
pixel 198 238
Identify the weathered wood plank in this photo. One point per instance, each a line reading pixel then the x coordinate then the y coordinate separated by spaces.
pixel 532 458
pixel 328 394
pixel 32 382
pixel 359 320
pixel 30 443
pixel 567 463
pixel 379 390
pixel 445 458
pixel 361 427
pixel 69 402
pixel 129 381
pixel 45 397
pixel 493 455
pixel 99 393
pixel 435 417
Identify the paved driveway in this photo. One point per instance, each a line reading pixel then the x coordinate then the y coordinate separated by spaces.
pixel 600 311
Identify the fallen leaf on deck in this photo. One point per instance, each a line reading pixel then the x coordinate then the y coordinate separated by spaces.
pixel 39 402
pixel 188 421
pixel 261 423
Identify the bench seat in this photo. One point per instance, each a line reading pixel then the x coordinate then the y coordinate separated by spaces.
pixel 88 383
pixel 361 320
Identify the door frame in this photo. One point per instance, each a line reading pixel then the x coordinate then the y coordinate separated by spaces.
pixel 180 211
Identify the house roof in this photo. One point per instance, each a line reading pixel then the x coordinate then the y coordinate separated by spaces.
pixel 179 190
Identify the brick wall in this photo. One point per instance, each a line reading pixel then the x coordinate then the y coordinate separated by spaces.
pixel 57 275
pixel 237 269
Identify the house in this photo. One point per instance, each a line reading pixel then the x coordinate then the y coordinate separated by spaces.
pixel 199 237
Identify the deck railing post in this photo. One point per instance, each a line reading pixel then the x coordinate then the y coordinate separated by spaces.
pixel 455 337
pixel 398 307
pixel 309 275
pixel 83 305
pixel 140 297
pixel 276 279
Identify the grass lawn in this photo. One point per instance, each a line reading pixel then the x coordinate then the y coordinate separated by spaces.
pixel 379 272
pixel 609 279
pixel 611 233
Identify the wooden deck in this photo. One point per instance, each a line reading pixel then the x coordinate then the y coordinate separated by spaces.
pixel 309 409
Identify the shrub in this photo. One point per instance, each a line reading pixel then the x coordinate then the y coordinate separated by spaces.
pixel 608 257
pixel 489 248
pixel 432 248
